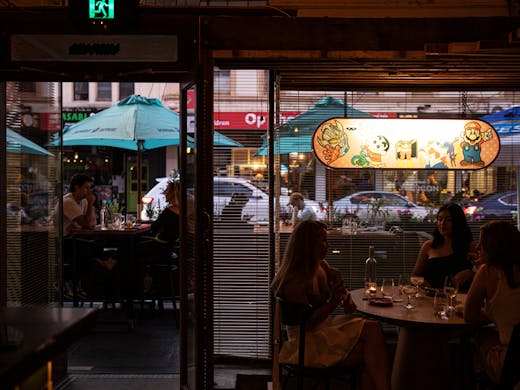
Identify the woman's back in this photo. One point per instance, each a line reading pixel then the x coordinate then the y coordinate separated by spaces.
pixel 503 308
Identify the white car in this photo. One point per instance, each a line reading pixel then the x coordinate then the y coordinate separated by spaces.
pixel 365 203
pixel 255 211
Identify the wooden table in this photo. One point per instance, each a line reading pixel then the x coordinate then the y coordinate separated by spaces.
pixel 422 359
pixel 125 240
pixel 47 333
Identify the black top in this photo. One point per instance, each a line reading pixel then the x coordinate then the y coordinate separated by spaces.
pixel 437 268
pixel 166 227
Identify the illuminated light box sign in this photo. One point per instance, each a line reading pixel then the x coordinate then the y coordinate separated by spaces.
pixel 101 9
pixel 406 143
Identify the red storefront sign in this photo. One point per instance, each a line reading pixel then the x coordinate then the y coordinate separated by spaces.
pixel 50 121
pixel 247 120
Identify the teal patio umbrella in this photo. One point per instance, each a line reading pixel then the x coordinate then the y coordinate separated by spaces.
pixel 296 134
pixel 135 123
pixel 16 143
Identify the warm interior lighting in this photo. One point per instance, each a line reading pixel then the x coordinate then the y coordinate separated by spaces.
pixel 147 200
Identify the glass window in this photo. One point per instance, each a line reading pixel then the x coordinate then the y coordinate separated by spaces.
pixel 81 91
pixel 28 86
pixel 104 92
pixel 222 81
pixel 126 89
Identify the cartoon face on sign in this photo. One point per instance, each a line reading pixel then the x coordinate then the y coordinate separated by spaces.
pixel 372 152
pixel 406 143
pixel 333 140
pixel 472 139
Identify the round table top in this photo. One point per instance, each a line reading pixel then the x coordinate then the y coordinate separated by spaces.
pixel 421 315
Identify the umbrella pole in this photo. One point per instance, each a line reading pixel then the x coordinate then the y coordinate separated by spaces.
pixel 139 172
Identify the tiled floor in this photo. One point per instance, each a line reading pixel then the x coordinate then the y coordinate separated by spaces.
pixel 112 357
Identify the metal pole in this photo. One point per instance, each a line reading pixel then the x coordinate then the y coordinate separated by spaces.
pixel 139 173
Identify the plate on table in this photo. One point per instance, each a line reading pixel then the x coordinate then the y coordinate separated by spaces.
pixel 380 301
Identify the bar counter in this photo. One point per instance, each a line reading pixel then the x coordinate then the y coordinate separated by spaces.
pixel 46 333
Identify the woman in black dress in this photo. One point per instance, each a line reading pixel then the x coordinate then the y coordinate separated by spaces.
pixel 448 253
pixel 165 229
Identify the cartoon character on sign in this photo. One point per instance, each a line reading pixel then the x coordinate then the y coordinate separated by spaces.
pixel 435 153
pixel 406 149
pixel 333 140
pixel 472 139
pixel 372 152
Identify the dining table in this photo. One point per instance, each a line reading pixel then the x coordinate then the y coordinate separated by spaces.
pixel 125 240
pixel 422 358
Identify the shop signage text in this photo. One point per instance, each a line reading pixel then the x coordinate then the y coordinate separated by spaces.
pixel 132 48
pixel 247 120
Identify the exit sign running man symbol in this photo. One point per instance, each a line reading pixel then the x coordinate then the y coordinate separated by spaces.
pixel 101 9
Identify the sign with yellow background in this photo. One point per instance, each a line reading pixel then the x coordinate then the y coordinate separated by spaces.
pixel 406 143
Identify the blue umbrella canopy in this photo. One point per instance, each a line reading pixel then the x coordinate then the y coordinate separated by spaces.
pixel 17 143
pixel 136 118
pixel 135 123
pixel 296 134
pixel 505 122
pixel 223 141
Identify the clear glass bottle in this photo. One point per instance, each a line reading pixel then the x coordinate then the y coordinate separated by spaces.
pixel 103 216
pixel 370 271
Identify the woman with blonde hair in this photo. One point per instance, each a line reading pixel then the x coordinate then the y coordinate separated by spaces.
pixel 306 278
pixel 165 230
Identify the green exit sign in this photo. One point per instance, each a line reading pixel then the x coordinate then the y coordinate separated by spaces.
pixel 101 9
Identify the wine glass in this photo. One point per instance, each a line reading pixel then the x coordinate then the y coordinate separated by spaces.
pixel 417 281
pixel 451 288
pixel 410 290
pixel 387 288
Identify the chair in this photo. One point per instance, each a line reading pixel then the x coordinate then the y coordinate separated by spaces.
pixel 510 373
pixel 510 376
pixel 79 253
pixel 165 276
pixel 291 314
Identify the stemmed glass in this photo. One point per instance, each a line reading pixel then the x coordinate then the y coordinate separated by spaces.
pixel 417 281
pixel 410 290
pixel 451 288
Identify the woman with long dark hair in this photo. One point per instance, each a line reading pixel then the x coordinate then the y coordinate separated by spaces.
pixel 446 255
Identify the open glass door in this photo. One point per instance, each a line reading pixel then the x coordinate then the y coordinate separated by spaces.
pixel 188 168
pixel 196 264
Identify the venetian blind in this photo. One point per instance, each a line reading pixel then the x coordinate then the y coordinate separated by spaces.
pixel 396 211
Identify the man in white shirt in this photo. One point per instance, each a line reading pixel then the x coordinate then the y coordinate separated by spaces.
pixel 78 213
pixel 301 212
pixel 78 210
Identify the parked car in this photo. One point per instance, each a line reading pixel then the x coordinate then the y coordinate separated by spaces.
pixel 501 205
pixel 379 205
pixel 256 209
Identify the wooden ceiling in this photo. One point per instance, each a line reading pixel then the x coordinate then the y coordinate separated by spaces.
pixel 452 53
pixel 318 53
